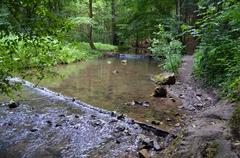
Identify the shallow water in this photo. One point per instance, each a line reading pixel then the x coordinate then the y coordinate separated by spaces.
pixel 50 126
pixel 109 84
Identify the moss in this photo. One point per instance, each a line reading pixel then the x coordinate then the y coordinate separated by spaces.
pixel 235 123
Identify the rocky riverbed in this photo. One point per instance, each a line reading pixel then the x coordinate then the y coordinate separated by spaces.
pixel 47 124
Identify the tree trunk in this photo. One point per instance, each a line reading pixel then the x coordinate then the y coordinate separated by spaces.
pixel 114 34
pixel 178 9
pixel 90 28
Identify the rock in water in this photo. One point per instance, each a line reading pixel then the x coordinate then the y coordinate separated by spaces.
pixel 144 153
pixel 115 71
pixel 160 92
pixel 13 104
pixel 124 62
pixel 165 79
pixel 156 146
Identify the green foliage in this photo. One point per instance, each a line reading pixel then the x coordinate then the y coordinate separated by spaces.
pixel 235 123
pixel 139 19
pixel 164 45
pixel 19 54
pixel 218 54
pixel 79 51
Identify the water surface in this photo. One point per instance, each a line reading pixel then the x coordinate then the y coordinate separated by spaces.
pixel 110 84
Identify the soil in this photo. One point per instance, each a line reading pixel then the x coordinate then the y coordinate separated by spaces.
pixel 204 131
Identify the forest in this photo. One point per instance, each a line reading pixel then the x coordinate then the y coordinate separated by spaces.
pixel 53 43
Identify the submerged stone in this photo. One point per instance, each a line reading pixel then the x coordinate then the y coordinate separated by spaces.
pixel 160 92
pixel 144 153
pixel 13 104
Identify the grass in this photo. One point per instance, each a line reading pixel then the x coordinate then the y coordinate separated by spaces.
pixel 79 51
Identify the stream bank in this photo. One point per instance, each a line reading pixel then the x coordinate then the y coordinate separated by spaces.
pixel 205 132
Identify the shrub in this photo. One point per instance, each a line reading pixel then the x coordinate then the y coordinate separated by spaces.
pixel 164 45
pixel 218 54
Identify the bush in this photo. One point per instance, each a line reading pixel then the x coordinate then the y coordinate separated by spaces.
pixel 166 47
pixel 25 56
pixel 218 54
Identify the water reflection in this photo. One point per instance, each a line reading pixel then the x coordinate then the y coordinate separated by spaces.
pixel 110 84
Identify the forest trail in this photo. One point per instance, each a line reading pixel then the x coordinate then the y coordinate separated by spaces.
pixel 206 130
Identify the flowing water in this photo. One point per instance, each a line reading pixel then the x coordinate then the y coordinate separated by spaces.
pixel 50 125
pixel 113 85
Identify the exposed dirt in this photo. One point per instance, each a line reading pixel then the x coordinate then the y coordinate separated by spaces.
pixel 204 131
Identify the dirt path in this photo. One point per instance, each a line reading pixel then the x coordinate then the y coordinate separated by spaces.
pixel 204 131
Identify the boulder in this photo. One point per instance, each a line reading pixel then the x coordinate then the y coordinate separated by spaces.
pixel 165 79
pixel 13 104
pixel 160 92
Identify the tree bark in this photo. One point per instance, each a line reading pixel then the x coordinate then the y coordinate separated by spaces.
pixel 178 9
pixel 114 34
pixel 90 28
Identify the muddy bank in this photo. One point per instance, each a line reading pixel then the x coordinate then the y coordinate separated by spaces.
pixel 51 125
pixel 206 132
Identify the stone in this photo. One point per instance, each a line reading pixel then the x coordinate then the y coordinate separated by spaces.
pixel 115 71
pixel 73 99
pixel 143 153
pixel 169 120
pixel 120 128
pixel 124 62
pixel 96 123
pixel 155 122
pixel 62 115
pixel 113 121
pixel 181 96
pixel 199 94
pixel 160 92
pixel 13 104
pixel 177 125
pixel 144 103
pixel 165 79
pixel 58 125
pixel 156 146
pixel 49 123
pixel 120 117
pixel 33 130
pixel 76 116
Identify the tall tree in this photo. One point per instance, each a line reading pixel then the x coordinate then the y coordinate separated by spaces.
pixel 90 28
pixel 114 33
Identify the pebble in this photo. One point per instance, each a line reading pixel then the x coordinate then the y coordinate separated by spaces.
pixel 156 123
pixel 120 128
pixel 156 146
pixel 144 153
pixel 169 120
pixel 33 130
pixel 49 122
pixel 177 125
pixel 13 104
pixel 58 125
pixel 96 123
pixel 73 99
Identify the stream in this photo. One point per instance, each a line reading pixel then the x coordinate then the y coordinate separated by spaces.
pixel 51 123
pixel 112 85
